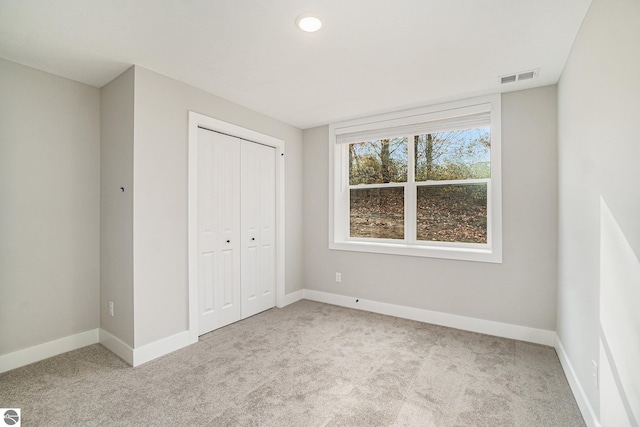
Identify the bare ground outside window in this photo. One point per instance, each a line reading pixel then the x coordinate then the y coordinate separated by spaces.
pixel 449 213
pixel 452 213
pixel 377 213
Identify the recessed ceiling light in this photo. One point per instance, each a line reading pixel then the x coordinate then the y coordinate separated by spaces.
pixel 308 22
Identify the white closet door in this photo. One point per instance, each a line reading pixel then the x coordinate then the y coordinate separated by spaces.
pixel 258 228
pixel 219 245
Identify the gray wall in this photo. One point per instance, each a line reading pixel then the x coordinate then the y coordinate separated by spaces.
pixel 49 207
pixel 116 207
pixel 521 290
pixel 599 207
pixel 160 197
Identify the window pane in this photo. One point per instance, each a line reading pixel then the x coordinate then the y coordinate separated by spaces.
pixel 377 213
pixel 377 162
pixel 459 154
pixel 452 213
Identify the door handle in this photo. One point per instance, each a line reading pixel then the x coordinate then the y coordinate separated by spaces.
pixel 228 241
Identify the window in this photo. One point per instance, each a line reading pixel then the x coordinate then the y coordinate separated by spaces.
pixel 423 182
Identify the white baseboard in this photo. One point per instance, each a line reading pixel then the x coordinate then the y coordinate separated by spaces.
pixel 159 348
pixel 49 349
pixel 116 346
pixel 146 353
pixel 589 415
pixel 293 297
pixel 489 327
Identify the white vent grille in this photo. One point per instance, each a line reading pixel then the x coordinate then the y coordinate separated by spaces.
pixel 508 79
pixel 526 76
pixel 516 77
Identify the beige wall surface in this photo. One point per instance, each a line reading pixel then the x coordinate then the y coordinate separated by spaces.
pixel 116 206
pixel 160 197
pixel 520 291
pixel 599 207
pixel 49 207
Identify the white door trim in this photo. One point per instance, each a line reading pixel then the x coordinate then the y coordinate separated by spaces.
pixel 200 121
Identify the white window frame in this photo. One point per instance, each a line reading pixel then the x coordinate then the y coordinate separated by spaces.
pixel 339 187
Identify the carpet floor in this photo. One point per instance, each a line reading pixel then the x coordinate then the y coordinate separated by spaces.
pixel 308 364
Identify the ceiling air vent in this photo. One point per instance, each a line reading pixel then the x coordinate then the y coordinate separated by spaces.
pixel 526 76
pixel 523 75
pixel 508 79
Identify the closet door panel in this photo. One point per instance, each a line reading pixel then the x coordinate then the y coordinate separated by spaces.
pixel 267 229
pixel 250 180
pixel 258 223
pixel 219 230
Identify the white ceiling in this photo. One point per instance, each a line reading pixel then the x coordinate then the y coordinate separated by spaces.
pixel 371 56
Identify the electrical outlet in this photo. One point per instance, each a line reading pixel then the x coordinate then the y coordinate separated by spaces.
pixel 111 308
pixel 338 277
pixel 595 374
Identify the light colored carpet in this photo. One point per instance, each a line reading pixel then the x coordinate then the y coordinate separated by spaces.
pixel 308 364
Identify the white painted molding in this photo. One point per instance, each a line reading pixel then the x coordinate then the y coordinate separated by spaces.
pixel 291 298
pixel 116 346
pixel 159 348
pixel 40 352
pixel 146 353
pixel 489 327
pixel 589 415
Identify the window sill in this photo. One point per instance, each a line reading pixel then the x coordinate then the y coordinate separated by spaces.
pixel 442 252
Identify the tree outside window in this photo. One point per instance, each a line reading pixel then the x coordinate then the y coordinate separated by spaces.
pixel 448 207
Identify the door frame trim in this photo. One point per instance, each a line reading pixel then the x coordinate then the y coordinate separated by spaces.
pixel 196 121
